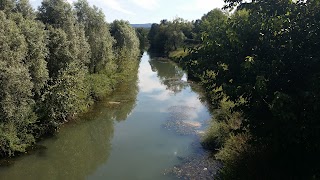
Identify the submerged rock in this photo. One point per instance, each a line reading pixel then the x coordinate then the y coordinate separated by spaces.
pixel 194 124
pixel 201 166
pixel 179 121
pixel 180 127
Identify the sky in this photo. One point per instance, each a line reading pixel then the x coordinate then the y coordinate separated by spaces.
pixel 151 11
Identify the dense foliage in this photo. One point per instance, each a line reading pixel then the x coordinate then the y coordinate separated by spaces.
pixel 127 45
pixel 170 35
pixel 142 34
pixel 54 63
pixel 260 68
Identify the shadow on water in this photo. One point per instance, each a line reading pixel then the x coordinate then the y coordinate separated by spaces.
pixel 124 100
pixel 81 146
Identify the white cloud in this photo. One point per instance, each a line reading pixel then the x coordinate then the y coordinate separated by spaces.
pixel 146 4
pixel 202 5
pixel 163 95
pixel 114 4
pixel 148 79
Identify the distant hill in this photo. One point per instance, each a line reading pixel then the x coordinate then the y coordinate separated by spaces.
pixel 148 25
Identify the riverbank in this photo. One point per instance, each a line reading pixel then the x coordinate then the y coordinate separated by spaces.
pixel 231 142
pixel 130 137
pixel 221 145
pixel 119 84
pixel 61 64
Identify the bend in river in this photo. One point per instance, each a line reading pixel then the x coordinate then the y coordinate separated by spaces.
pixel 144 128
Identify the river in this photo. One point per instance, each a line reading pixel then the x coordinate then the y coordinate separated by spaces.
pixel 137 133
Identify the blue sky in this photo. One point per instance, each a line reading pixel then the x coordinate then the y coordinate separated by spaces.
pixel 151 11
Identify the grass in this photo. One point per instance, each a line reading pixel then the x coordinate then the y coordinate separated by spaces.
pixel 179 53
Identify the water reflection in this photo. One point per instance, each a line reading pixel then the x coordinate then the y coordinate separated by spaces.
pixel 169 74
pixel 125 98
pixel 81 146
pixel 72 154
pixel 101 145
pixel 164 81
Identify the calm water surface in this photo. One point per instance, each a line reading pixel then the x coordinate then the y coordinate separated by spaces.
pixel 121 141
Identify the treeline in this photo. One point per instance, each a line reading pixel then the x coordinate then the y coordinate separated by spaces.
pixel 170 35
pixel 142 34
pixel 260 68
pixel 54 63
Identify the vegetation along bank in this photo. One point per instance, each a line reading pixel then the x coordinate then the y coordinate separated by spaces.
pixel 54 63
pixel 259 66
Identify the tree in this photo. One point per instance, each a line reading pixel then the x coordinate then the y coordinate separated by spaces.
pixel 263 60
pixel 175 34
pixel 36 39
pixel 24 7
pixel 170 35
pixel 127 44
pixel 68 57
pixel 99 37
pixel 48 74
pixel 7 6
pixel 16 103
pixel 157 37
pixel 142 34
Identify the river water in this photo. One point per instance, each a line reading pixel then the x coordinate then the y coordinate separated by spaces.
pixel 137 133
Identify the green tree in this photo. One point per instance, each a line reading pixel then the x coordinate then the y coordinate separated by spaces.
pixel 157 38
pixel 99 37
pixel 142 34
pixel 47 71
pixel 170 35
pixel 68 58
pixel 24 7
pixel 36 39
pixel 7 6
pixel 16 103
pixel 266 54
pixel 126 46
